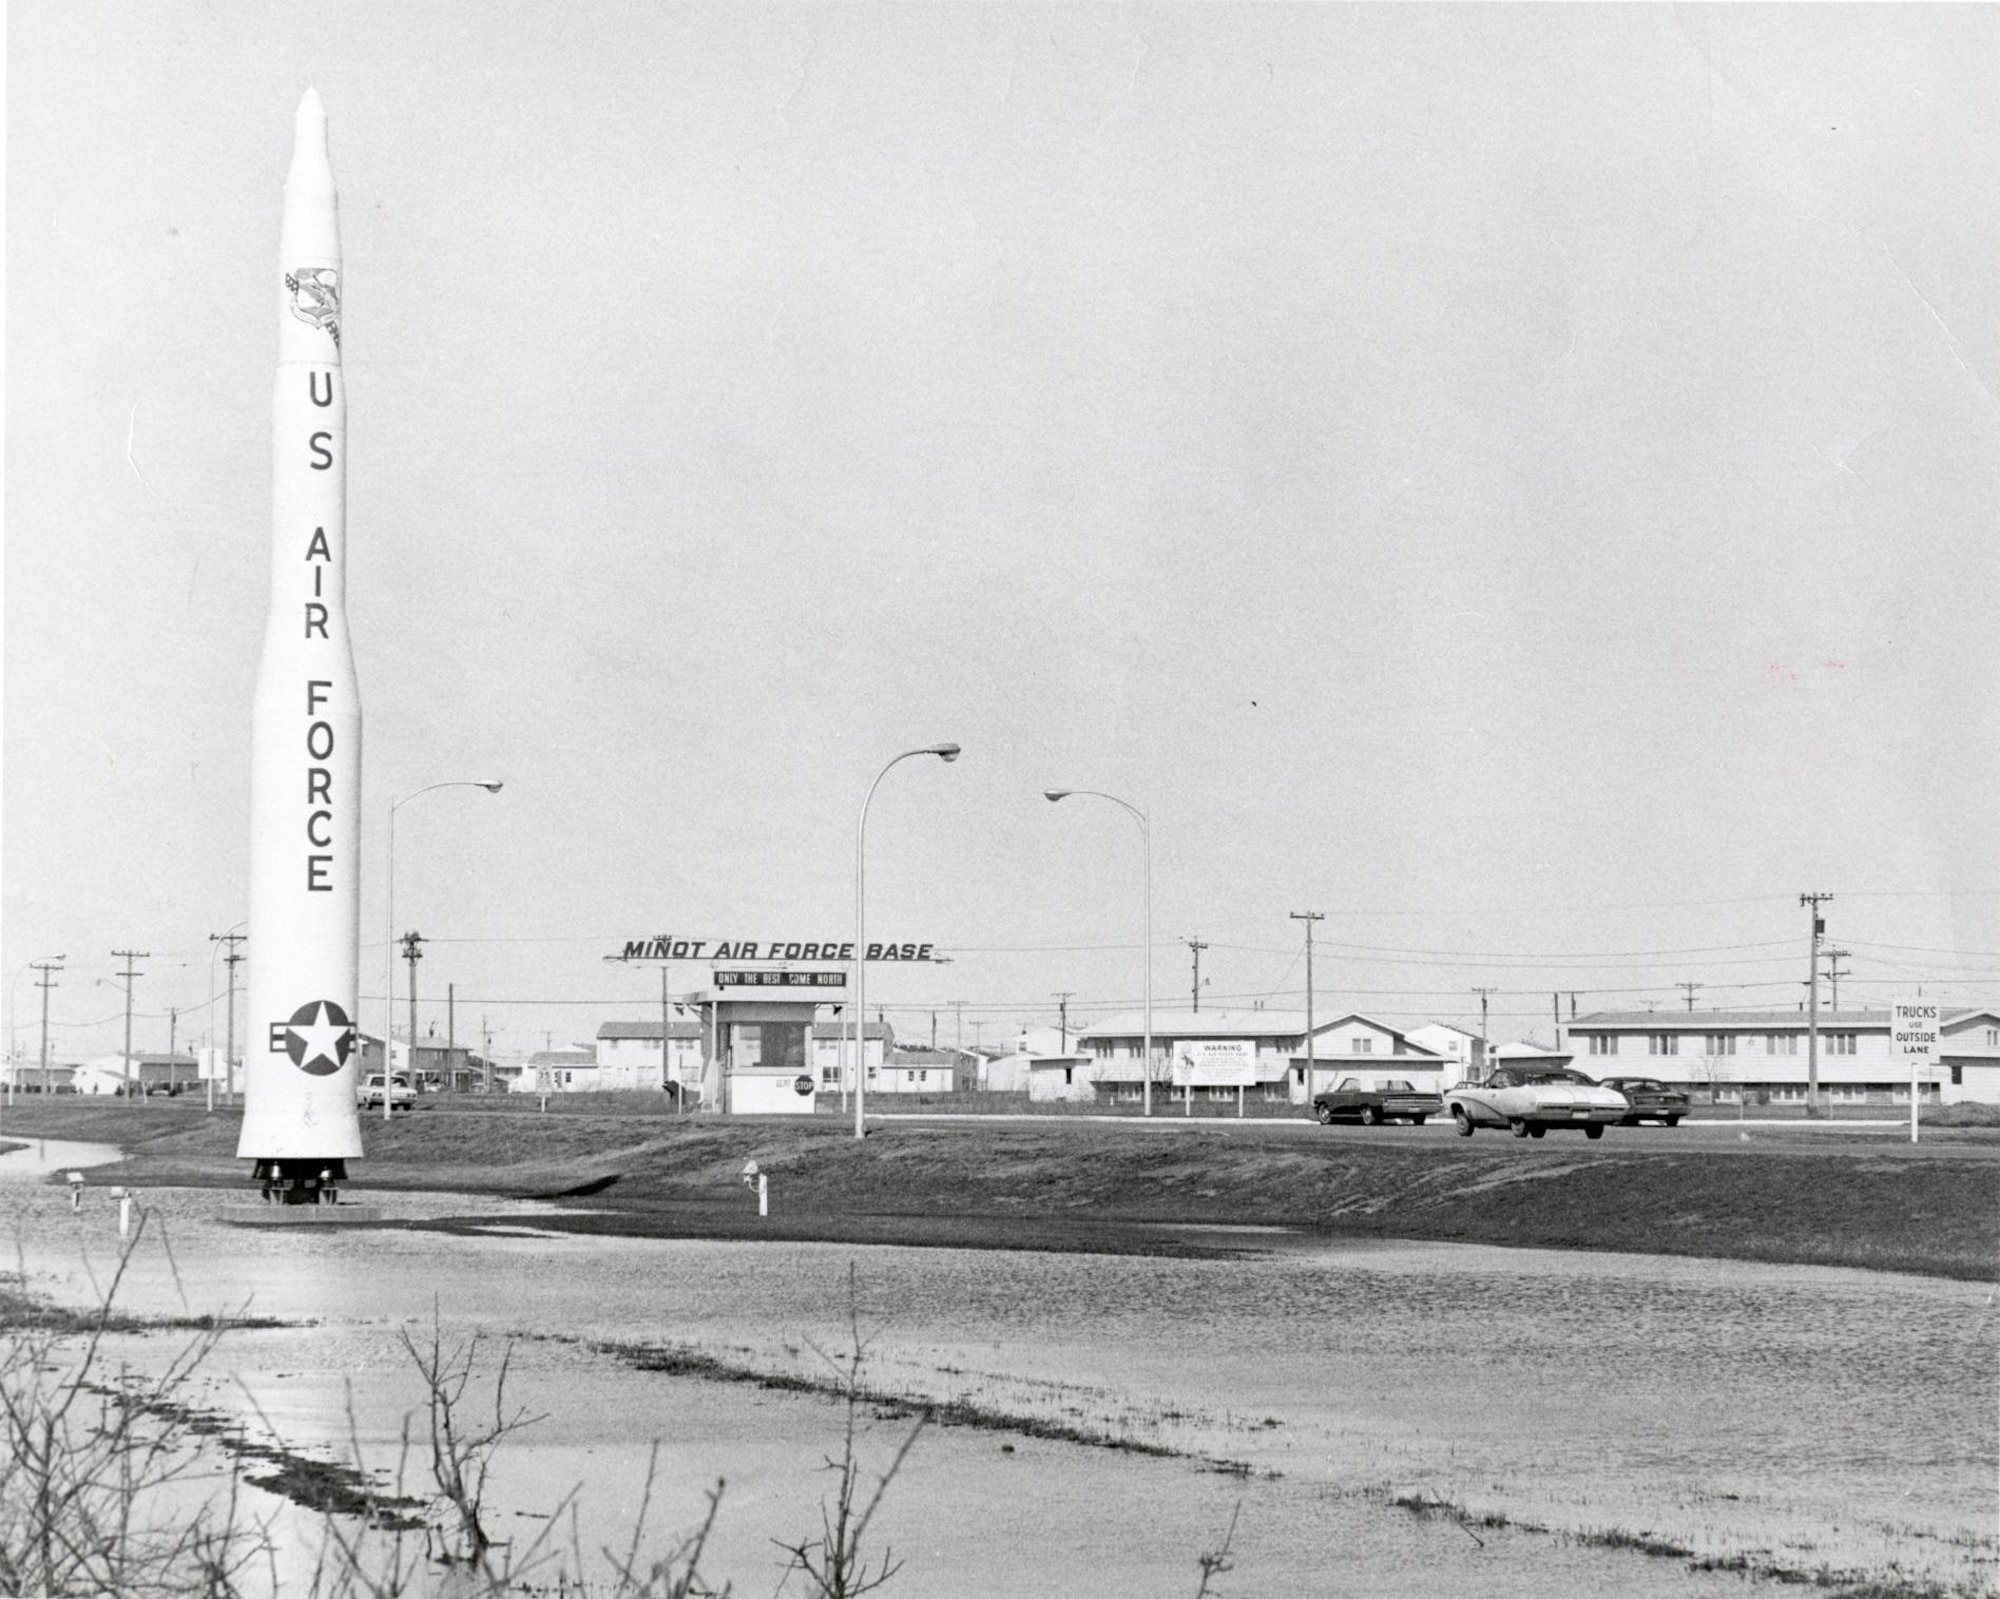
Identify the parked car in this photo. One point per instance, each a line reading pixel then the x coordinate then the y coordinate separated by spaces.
pixel 1651 1100
pixel 1529 1100
pixel 400 1094
pixel 1395 1100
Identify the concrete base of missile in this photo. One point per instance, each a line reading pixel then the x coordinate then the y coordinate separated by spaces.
pixel 341 1215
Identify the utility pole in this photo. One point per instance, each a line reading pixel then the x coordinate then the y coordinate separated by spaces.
pixel 1812 1003
pixel 1062 1014
pixel 1485 1043
pixel 173 1034
pixel 1309 917
pixel 958 1023
pixel 1688 989
pixel 1197 946
pixel 451 1037
pixel 48 969
pixel 229 941
pixel 1833 958
pixel 485 1057
pixel 412 952
pixel 1556 1011
pixel 128 956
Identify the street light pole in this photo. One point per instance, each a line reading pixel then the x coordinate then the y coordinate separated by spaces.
pixel 946 753
pixel 389 950
pixel 1146 837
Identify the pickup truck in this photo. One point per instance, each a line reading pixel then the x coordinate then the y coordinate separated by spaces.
pixel 401 1095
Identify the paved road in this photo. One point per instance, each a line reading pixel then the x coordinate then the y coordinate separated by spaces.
pixel 1707 1134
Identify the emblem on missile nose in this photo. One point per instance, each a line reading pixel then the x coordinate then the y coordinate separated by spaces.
pixel 315 295
pixel 319 1038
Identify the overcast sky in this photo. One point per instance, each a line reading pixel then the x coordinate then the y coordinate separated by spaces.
pixel 1518 481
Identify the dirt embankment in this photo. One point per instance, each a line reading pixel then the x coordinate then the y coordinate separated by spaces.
pixel 1817 1198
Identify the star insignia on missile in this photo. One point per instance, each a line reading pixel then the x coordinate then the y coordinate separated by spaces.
pixel 319 1038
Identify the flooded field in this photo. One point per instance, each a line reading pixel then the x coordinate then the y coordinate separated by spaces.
pixel 1571 1410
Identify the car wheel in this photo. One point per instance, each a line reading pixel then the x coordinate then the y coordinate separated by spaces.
pixel 1594 1130
pixel 1370 1116
pixel 1518 1128
pixel 1673 1121
pixel 1325 1114
pixel 1416 1121
pixel 1462 1121
pixel 1536 1132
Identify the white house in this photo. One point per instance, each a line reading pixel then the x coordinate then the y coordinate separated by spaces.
pixel 1054 1079
pixel 1464 1053
pixel 628 1055
pixel 569 1070
pixel 1360 1046
pixel 149 1073
pixel 1115 1050
pixel 1766 1055
pixel 831 1042
pixel 918 1071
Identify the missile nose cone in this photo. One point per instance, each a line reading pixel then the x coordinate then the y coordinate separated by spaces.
pixel 309 129
pixel 310 168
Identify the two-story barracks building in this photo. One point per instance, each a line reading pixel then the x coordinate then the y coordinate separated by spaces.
pixel 1764 1055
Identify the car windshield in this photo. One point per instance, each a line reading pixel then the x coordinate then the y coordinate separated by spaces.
pixel 1397 1085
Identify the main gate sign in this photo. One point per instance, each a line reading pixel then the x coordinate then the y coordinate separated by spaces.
pixel 671 947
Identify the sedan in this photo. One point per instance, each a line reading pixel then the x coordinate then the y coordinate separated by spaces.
pixel 1394 1100
pixel 1651 1100
pixel 1529 1100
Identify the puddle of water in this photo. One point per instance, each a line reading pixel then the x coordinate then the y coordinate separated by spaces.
pixel 41 1156
pixel 1818 1416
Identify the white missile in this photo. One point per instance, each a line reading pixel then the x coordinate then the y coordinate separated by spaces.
pixel 300 1123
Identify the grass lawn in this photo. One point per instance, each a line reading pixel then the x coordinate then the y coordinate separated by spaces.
pixel 1807 1196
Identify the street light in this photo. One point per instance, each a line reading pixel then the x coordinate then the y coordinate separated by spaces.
pixel 389 956
pixel 1146 835
pixel 944 752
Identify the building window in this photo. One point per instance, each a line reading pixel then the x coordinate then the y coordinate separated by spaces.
pixel 923 1076
pixel 1840 1043
pixel 1364 1046
pixel 1781 1043
pixel 1993 1035
pixel 1722 1043
pixel 1663 1043
pixel 1603 1043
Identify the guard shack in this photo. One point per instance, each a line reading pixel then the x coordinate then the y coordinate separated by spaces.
pixel 759 1023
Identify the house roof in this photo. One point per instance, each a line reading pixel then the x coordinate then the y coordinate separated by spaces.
pixel 837 1030
pixel 1221 1024
pixel 925 1057
pixel 645 1030
pixel 1709 1021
